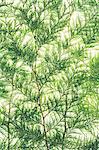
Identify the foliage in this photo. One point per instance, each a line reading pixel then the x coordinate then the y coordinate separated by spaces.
pixel 48 83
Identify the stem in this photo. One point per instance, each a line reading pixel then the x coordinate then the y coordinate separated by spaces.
pixel 45 133
pixel 9 127
pixel 39 104
pixel 9 117
pixel 65 125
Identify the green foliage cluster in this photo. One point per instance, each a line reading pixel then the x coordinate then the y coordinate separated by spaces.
pixel 48 83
